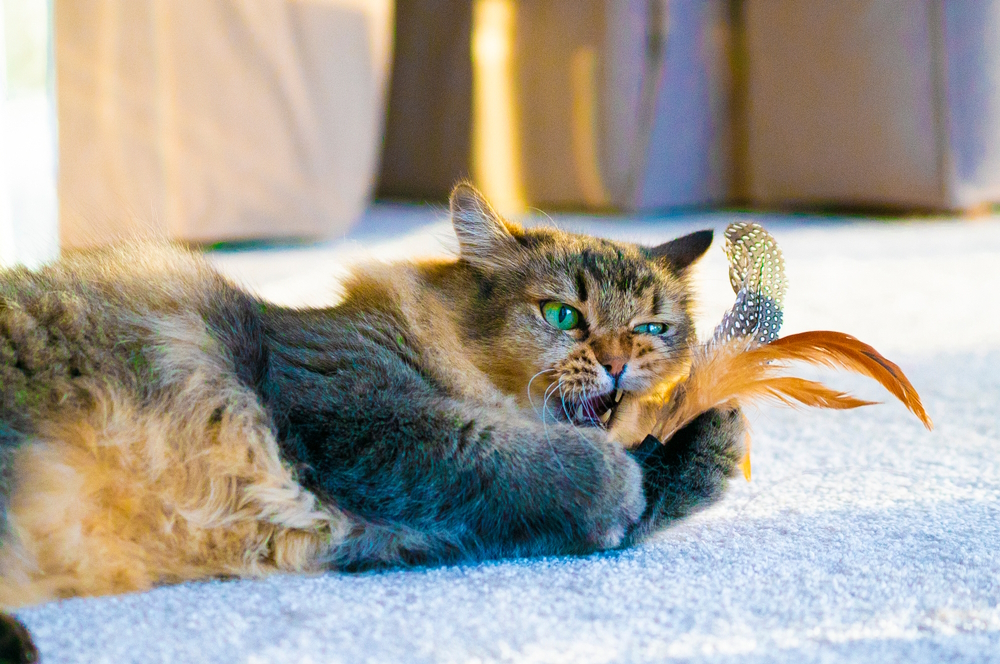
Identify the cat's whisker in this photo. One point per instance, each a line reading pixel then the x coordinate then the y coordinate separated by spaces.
pixel 545 427
pixel 545 401
pixel 550 390
pixel 578 413
pixel 562 397
pixel 572 423
pixel 530 401
pixel 584 399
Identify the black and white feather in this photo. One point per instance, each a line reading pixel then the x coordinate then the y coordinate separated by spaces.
pixel 757 274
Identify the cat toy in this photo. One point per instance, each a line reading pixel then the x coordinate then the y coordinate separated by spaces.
pixel 746 361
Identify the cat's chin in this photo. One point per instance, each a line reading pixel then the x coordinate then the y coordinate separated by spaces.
pixel 598 411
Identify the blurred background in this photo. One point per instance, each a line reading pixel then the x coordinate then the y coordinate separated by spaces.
pixel 292 138
pixel 28 211
pixel 221 121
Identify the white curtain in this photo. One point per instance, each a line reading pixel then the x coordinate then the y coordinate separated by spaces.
pixel 28 212
pixel 7 249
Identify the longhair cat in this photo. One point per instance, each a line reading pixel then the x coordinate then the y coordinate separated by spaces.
pixel 158 424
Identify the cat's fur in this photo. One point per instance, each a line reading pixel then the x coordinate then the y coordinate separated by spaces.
pixel 159 424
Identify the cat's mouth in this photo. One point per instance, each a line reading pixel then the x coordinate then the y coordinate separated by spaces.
pixel 597 411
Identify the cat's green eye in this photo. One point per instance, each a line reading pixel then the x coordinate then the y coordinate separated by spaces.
pixel 651 328
pixel 560 315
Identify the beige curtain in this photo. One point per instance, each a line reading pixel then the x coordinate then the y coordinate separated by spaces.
pixel 210 120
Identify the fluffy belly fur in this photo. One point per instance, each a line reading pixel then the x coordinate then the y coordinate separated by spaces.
pixel 134 454
pixel 122 497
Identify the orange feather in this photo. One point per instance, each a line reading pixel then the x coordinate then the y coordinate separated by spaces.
pixel 737 374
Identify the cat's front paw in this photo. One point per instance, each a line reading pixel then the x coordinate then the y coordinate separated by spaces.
pixel 610 506
pixel 690 470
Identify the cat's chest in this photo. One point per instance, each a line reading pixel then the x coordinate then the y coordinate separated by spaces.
pixel 446 355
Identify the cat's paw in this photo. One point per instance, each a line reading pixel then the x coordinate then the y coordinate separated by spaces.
pixel 690 470
pixel 621 508
pixel 611 498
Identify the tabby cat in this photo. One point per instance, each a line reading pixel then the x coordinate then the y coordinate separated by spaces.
pixel 159 424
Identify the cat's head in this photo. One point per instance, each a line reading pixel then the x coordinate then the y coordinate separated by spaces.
pixel 570 324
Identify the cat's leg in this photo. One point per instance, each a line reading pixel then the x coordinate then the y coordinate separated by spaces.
pixel 690 470
pixel 440 481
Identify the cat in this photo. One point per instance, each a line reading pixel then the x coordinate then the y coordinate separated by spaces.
pixel 159 424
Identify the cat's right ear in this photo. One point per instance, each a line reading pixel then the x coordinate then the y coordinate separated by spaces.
pixel 484 238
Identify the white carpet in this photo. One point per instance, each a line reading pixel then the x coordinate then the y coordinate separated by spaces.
pixel 861 538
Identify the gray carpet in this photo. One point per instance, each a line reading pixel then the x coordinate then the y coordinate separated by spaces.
pixel 861 537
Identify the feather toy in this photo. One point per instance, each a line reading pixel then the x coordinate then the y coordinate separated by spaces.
pixel 746 362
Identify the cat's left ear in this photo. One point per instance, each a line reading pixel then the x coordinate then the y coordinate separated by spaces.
pixel 679 254
pixel 484 238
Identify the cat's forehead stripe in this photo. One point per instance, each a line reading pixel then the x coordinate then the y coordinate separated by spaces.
pixel 581 286
pixel 612 266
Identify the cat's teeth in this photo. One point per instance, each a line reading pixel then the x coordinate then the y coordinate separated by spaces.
pixel 618 396
pixel 606 416
pixel 579 412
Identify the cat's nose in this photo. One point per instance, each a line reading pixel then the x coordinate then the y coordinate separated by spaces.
pixel 615 368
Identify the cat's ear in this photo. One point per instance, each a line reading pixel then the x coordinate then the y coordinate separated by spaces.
pixel 484 238
pixel 679 254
